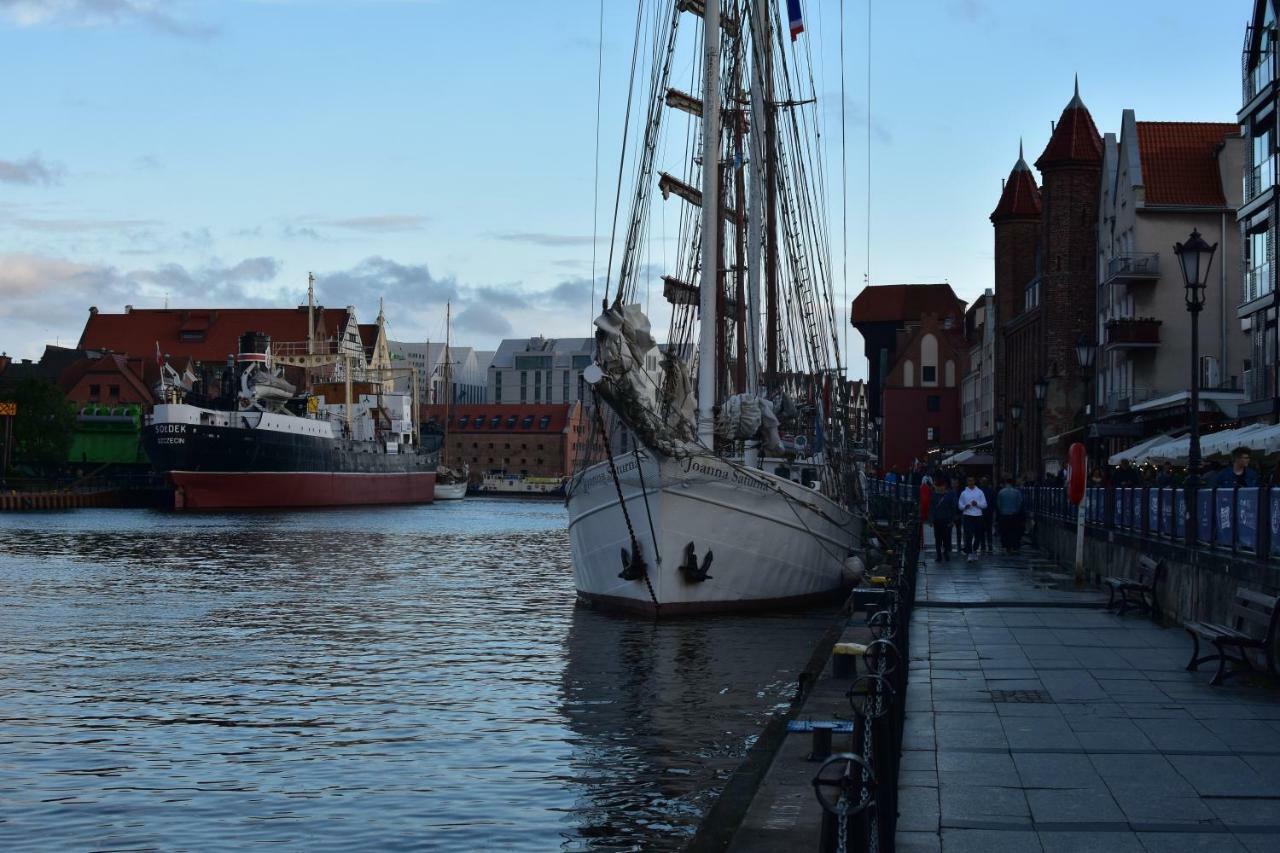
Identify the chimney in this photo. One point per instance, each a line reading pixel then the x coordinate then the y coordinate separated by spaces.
pixel 128 309
pixel 93 310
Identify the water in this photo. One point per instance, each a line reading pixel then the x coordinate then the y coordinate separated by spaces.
pixel 387 678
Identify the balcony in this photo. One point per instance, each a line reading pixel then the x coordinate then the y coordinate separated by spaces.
pixel 1256 79
pixel 1257 283
pixel 1258 178
pixel 1121 400
pixel 1135 333
pixel 1133 267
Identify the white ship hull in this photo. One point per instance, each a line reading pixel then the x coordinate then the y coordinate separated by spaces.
pixel 775 543
pixel 451 491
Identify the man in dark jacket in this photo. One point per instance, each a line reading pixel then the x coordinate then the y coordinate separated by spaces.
pixel 1009 513
pixel 1239 474
pixel 943 512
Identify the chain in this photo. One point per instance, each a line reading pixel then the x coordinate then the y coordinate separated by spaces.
pixel 622 502
pixel 842 825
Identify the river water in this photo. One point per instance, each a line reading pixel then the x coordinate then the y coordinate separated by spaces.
pixel 402 678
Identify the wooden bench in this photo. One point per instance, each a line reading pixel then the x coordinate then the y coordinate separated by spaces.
pixel 1251 613
pixel 1137 593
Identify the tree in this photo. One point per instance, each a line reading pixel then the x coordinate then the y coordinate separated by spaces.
pixel 43 429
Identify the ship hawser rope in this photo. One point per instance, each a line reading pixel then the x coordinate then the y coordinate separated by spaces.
pixel 622 501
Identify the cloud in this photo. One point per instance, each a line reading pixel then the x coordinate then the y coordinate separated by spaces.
pixel 574 292
pixel 46 297
pixel 382 223
pixel 75 226
pixel 483 319
pixel 538 238
pixel 158 14
pixel 969 10
pixel 411 287
pixel 30 171
pixel 506 298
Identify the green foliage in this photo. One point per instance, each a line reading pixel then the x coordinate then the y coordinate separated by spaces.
pixel 43 430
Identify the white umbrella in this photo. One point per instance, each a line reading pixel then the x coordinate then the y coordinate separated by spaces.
pixel 1139 451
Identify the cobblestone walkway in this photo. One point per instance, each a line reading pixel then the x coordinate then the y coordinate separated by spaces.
pixel 1036 721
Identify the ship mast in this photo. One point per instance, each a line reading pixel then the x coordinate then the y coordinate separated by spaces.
pixel 755 222
pixel 710 224
pixel 448 382
pixel 771 198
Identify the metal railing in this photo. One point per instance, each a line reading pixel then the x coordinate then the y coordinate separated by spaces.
pixel 1123 399
pixel 1133 265
pixel 1243 520
pixel 1257 282
pixel 1255 79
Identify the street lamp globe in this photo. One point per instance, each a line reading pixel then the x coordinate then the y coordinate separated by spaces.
pixel 999 425
pixel 1195 257
pixel 1042 388
pixel 1086 351
pixel 1015 412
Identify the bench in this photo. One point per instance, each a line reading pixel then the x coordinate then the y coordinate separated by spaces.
pixel 1249 610
pixel 1137 593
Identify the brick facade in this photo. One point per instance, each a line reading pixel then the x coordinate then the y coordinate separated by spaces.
pixel 921 395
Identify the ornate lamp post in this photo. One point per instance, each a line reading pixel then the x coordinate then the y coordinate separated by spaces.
pixel 1041 391
pixel 1015 412
pixel 880 441
pixel 1086 352
pixel 1194 256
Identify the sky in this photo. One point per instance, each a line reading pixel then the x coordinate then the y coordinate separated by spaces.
pixel 205 153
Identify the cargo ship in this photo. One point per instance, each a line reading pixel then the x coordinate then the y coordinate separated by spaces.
pixel 263 444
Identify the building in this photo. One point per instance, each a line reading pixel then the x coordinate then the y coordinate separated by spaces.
pixel 860 426
pixel 882 313
pixel 1046 240
pixel 977 389
pixel 920 395
pixel 1258 215
pixel 532 440
pixel 541 370
pixel 1160 180
pixel 468 369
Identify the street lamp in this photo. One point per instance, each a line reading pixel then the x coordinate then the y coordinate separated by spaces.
pixel 880 441
pixel 1195 257
pixel 1037 437
pixel 1086 352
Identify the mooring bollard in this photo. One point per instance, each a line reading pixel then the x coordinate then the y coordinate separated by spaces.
pixel 821 748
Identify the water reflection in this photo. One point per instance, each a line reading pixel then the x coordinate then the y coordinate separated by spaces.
pixel 395 678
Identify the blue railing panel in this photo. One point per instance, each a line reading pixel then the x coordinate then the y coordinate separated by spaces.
pixel 1204 516
pixel 1168 525
pixel 1136 499
pixel 1223 515
pixel 1153 511
pixel 1179 514
pixel 1247 519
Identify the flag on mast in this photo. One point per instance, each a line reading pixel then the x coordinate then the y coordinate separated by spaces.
pixel 796 18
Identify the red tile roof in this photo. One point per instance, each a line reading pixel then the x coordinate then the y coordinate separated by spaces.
pixel 1179 165
pixel 138 330
pixel 900 303
pixel 108 365
pixel 557 415
pixel 1075 138
pixel 1020 198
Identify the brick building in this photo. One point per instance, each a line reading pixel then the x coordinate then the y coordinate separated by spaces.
pixel 920 396
pixel 1046 256
pixel 530 440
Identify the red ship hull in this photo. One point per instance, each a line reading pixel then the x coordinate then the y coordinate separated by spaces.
pixel 198 490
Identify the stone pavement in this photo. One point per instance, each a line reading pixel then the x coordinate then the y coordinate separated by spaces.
pixel 1037 721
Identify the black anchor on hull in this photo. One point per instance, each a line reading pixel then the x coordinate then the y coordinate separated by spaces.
pixel 692 572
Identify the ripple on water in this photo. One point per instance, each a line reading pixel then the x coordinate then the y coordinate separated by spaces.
pixel 394 678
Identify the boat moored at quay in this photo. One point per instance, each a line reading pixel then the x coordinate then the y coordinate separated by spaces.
pixel 264 445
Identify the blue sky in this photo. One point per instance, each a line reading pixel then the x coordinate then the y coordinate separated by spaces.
pixel 424 150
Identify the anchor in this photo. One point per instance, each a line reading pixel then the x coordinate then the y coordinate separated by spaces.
pixel 633 566
pixel 692 572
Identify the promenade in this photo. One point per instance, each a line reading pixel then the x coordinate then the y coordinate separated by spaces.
pixel 1037 721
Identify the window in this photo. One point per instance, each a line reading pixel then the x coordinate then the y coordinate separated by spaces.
pixel 537 386
pixel 581 361
pixel 565 389
pixel 524 386
pixel 511 422
pixel 935 403
pixel 533 362
pixel 545 422
pixel 479 421
pixel 496 422
pixel 1031 295
pixel 527 423
pixel 931 433
pixel 928 374
pixel 114 391
pixel 497 386
pixel 463 420
pixel 191 337
pixel 95 391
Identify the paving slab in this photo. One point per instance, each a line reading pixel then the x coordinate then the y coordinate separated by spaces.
pixel 1058 726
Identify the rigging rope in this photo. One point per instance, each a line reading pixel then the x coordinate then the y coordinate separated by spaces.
pixel 595 202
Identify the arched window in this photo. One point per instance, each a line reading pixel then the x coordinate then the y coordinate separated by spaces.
pixel 928 360
pixel 949 374
pixel 908 373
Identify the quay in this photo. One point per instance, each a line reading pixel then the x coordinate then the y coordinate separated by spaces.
pixel 1037 721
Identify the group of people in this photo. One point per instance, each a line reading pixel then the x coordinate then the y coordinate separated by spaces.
pixel 972 512
pixel 1239 473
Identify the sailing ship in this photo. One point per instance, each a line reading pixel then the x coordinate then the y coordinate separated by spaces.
pixel 700 504
pixel 451 485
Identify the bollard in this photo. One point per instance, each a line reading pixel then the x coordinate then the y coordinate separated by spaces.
pixel 821 749
pixel 846 799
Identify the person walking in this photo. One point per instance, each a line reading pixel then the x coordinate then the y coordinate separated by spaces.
pixel 943 511
pixel 972 503
pixel 1009 516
